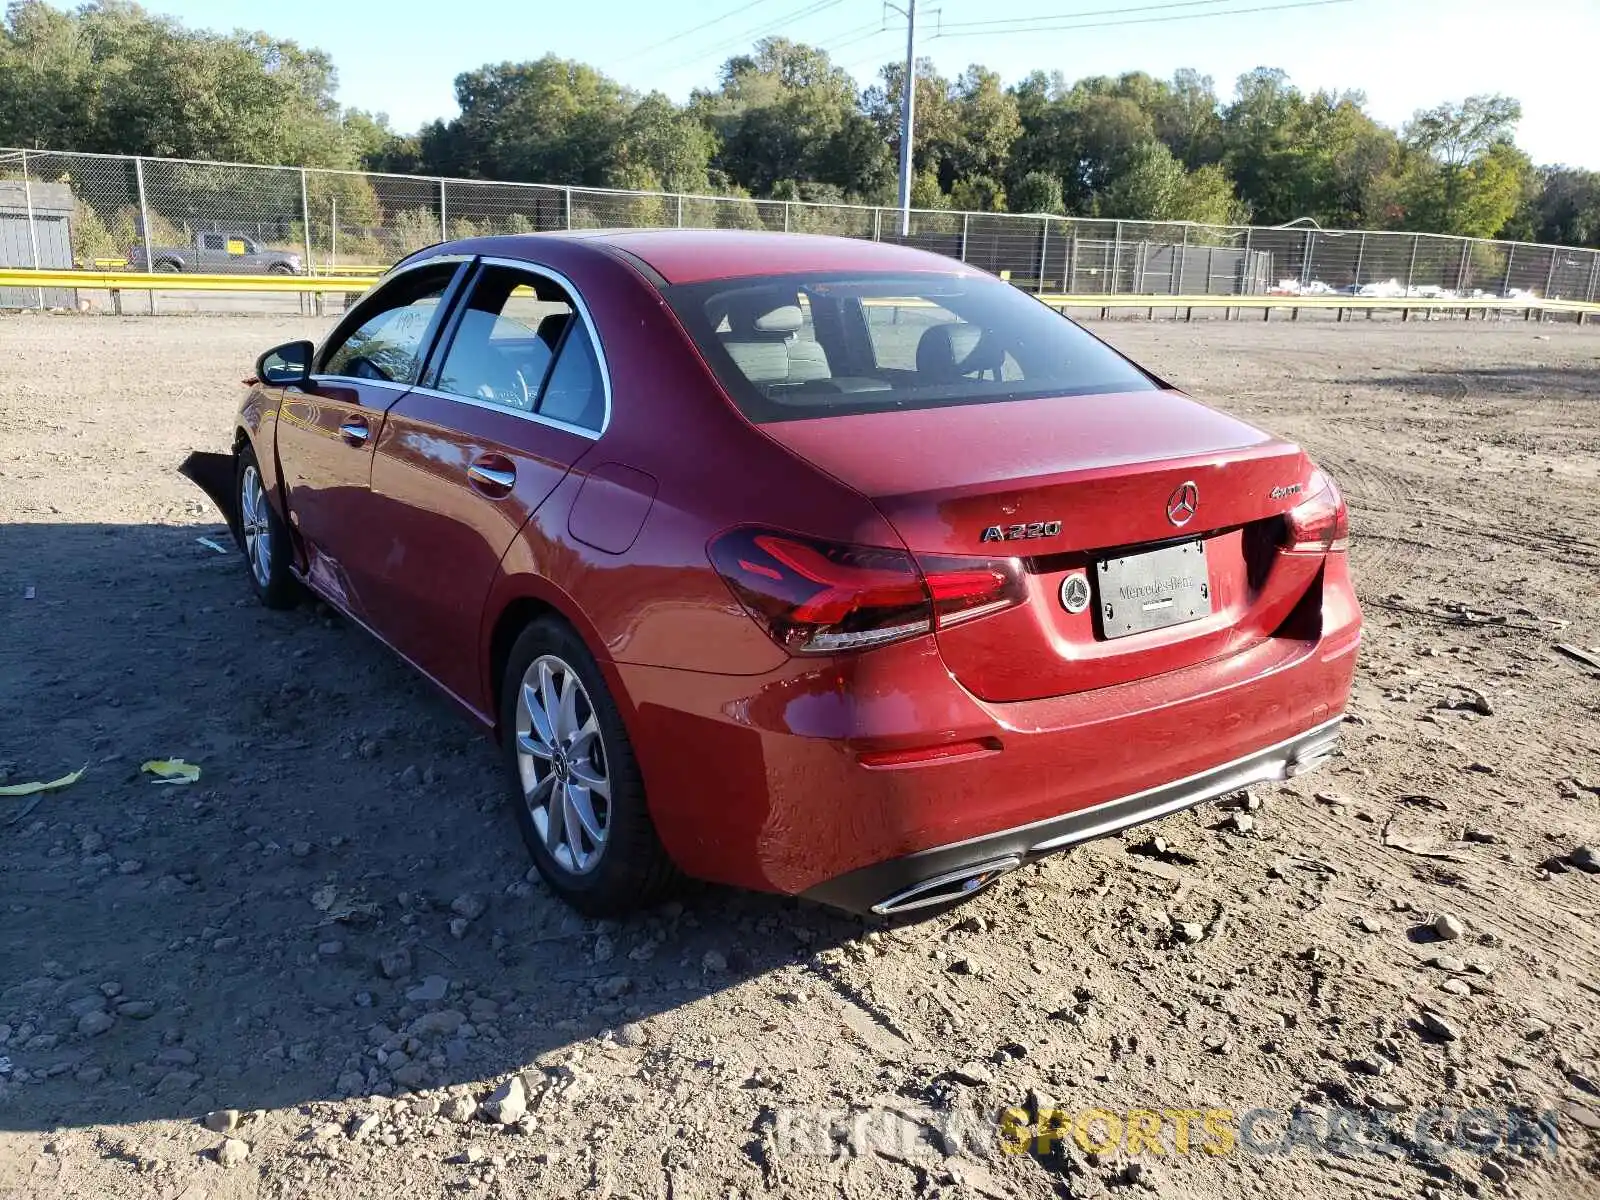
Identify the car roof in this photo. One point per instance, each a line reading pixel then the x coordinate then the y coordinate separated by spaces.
pixel 701 255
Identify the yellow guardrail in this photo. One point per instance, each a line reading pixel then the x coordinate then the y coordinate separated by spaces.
pixel 1419 303
pixel 118 281
pixel 159 281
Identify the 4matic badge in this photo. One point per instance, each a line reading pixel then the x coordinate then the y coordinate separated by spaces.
pixel 1018 533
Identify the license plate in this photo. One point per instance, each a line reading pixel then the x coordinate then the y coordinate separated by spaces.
pixel 1140 592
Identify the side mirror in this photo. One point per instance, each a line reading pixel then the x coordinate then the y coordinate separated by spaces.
pixel 285 364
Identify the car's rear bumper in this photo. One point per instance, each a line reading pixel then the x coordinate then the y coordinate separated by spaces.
pixel 761 782
pixel 945 873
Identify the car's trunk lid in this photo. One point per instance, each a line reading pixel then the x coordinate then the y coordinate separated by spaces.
pixel 1078 486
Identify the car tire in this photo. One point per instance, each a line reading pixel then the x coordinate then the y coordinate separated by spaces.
pixel 263 536
pixel 578 778
pixel 280 269
pixel 168 267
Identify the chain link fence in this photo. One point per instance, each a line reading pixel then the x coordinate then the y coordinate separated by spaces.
pixel 65 210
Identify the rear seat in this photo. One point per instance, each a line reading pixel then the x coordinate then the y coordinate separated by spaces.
pixel 767 346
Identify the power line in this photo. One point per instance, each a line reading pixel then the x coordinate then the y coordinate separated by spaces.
pixel 874 58
pixel 681 34
pixel 1121 11
pixel 831 42
pixel 766 29
pixel 1232 12
pixel 833 51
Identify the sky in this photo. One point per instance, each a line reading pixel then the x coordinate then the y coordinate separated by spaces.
pixel 401 59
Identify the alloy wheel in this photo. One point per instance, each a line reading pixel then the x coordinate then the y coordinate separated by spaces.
pixel 562 764
pixel 253 523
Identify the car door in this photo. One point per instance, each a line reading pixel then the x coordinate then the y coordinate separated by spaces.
pixel 329 427
pixel 208 253
pixel 514 395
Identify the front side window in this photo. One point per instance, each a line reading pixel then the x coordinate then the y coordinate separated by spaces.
pixel 390 338
pixel 792 347
pixel 521 344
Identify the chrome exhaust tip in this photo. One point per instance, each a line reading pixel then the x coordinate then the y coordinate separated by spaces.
pixel 947 888
pixel 1311 756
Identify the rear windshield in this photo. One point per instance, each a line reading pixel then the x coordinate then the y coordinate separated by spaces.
pixel 788 347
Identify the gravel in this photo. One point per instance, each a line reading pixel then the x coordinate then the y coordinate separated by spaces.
pixel 1447 927
pixel 232 1152
pixel 1230 970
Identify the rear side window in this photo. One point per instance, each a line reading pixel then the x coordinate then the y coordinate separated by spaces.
pixel 791 347
pixel 575 393
pixel 521 344
pixel 506 339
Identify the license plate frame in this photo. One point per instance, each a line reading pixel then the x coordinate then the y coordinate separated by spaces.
pixel 1153 589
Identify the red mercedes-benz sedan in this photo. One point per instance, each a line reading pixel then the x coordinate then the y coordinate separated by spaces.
pixel 803 564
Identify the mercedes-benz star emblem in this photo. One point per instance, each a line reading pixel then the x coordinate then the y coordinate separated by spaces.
pixel 1182 503
pixel 1075 592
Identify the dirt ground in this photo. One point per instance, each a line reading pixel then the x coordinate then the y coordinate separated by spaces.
pixel 333 930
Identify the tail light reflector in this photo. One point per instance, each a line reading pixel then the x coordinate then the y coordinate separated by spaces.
pixel 1320 524
pixel 923 755
pixel 819 597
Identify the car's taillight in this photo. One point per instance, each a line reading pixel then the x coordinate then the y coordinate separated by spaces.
pixel 819 597
pixel 1320 523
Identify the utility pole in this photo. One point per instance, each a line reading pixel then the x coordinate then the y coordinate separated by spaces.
pixel 908 104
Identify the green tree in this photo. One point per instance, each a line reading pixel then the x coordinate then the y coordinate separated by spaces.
pixel 548 121
pixel 1036 192
pixel 1463 174
pixel 987 124
pixel 1155 187
pixel 1103 133
pixel 1207 196
pixel 935 124
pixel 1566 207
pixel 666 142
pixel 978 193
pixel 926 192
pixel 783 120
pixel 1083 134
pixel 344 195
pixel 48 82
pixel 375 145
pixel 1477 199
pixel 1293 155
pixel 786 112
pixel 1187 118
pixel 112 77
pixel 1149 188
pixel 648 210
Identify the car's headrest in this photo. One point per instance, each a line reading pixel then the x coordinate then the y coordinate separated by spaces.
pixel 786 318
pixel 762 314
pixel 954 349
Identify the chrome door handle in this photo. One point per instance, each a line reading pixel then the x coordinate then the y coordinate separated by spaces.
pixel 355 431
pixel 492 477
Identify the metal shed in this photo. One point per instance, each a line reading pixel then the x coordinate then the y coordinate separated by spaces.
pixel 48 235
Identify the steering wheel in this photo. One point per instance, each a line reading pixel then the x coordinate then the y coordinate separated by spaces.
pixel 509 391
pixel 989 354
pixel 363 367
